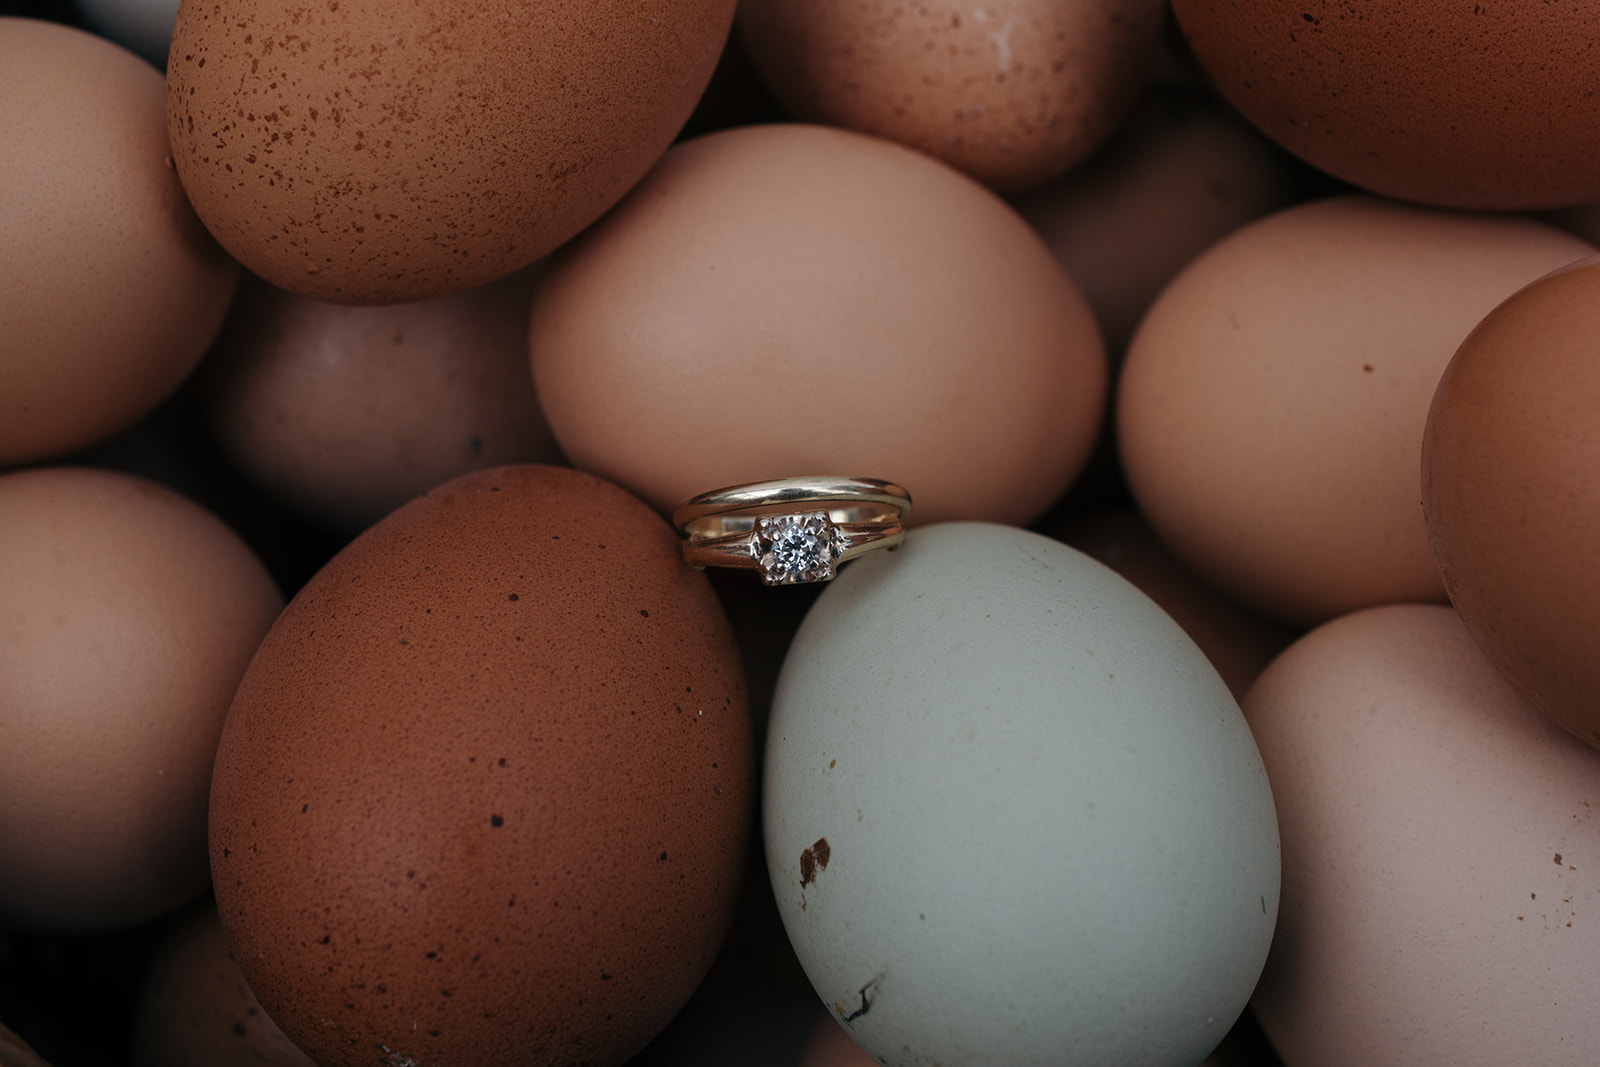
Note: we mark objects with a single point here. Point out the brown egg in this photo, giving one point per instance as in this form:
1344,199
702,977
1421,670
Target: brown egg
483,794
1271,409
1441,855
1178,176
110,289
785,300
1013,92
129,616
1509,492
1478,105
1238,643
195,1009
365,153
345,413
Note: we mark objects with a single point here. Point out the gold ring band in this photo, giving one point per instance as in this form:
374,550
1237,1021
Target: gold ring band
792,530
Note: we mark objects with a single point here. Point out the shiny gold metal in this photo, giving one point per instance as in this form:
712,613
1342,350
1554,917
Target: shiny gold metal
792,530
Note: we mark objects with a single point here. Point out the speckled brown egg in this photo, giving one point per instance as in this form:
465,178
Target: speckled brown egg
1510,496
1469,105
1013,92
365,152
483,795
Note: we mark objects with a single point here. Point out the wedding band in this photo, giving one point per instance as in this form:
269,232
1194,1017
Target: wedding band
792,530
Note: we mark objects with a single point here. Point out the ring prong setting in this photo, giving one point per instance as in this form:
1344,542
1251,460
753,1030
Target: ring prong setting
793,549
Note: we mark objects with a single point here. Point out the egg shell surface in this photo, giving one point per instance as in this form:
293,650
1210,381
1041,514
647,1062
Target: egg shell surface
1481,106
369,151
345,413
1014,92
1271,410
483,794
791,299
1440,847
110,289
128,615
1510,494
1013,816
1178,175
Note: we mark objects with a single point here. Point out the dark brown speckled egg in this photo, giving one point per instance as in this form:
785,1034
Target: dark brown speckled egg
372,152
483,795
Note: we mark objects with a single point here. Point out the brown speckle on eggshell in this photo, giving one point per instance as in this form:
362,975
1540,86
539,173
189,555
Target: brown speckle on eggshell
482,654
363,151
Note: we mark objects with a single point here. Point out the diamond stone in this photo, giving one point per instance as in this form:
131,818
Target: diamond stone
797,548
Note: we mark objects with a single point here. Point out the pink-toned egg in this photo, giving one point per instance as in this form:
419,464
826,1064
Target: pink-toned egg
1441,855
345,413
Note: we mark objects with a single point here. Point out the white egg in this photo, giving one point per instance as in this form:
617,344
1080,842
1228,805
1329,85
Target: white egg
1013,816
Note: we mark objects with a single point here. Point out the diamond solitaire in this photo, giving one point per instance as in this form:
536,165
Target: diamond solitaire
796,548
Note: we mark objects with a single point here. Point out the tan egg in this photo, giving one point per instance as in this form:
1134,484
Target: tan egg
484,794
346,413
110,289
1271,409
369,153
195,1009
1014,92
127,619
1441,855
1238,643
791,300
1178,176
